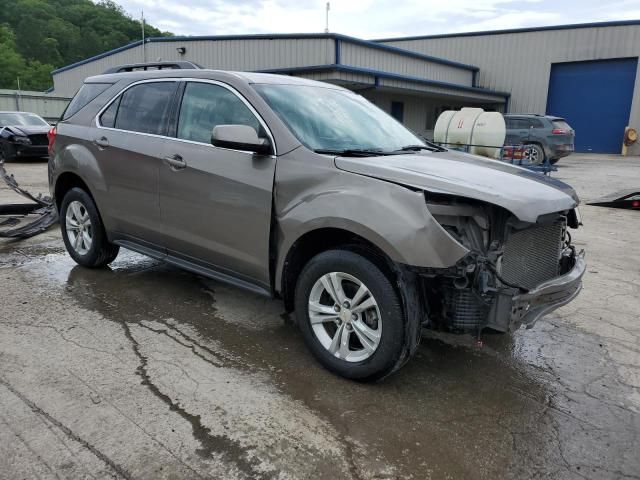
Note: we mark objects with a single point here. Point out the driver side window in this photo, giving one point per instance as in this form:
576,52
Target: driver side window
204,106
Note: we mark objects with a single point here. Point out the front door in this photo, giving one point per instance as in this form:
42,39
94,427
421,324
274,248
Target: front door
215,202
517,131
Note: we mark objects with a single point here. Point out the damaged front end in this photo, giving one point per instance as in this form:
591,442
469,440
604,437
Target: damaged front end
515,272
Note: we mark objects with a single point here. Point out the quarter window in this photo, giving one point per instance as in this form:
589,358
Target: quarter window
108,117
143,108
204,106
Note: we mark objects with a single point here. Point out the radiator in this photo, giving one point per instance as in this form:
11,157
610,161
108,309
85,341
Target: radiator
532,256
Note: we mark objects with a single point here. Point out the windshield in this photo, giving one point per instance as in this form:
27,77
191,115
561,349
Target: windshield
328,119
21,119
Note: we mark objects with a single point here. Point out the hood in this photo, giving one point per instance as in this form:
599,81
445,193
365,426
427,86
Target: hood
26,131
524,193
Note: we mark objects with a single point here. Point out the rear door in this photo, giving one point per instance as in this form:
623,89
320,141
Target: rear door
216,206
538,132
129,145
517,131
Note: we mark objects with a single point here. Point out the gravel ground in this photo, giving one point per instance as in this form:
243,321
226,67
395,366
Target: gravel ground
145,371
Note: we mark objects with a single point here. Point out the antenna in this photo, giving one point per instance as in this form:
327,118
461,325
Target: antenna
144,47
326,28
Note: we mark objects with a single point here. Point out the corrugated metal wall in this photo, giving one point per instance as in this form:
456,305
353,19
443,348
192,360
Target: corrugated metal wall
243,54
521,62
357,55
47,106
267,54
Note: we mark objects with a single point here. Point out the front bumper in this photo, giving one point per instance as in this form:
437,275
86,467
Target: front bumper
22,150
528,307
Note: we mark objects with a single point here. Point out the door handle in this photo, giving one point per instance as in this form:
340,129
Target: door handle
101,142
175,162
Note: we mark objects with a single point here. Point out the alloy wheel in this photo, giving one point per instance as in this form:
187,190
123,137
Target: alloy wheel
345,316
533,155
78,227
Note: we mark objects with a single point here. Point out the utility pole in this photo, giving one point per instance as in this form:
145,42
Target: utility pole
326,28
144,45
18,95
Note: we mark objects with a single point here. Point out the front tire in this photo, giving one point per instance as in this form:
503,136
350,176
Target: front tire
7,153
351,316
82,231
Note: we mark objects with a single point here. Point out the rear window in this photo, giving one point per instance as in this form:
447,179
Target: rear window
561,124
87,92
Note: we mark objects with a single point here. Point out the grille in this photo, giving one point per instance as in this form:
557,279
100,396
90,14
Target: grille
532,256
39,139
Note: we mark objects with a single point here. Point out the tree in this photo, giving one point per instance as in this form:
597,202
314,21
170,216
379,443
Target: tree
37,36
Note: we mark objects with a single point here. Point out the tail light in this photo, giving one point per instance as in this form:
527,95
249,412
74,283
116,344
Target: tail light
560,131
51,136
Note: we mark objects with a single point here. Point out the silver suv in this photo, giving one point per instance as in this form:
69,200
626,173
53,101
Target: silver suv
307,192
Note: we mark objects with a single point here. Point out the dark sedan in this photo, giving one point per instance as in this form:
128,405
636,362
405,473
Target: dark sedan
23,135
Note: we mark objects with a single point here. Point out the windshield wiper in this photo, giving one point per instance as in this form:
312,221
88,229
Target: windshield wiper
352,152
430,146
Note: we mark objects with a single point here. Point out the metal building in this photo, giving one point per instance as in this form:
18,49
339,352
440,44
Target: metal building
409,85
587,73
49,107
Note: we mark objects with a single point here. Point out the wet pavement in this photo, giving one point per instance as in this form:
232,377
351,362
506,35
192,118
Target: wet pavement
145,371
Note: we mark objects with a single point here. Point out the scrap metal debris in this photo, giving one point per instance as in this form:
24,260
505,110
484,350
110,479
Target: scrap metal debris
21,227
627,199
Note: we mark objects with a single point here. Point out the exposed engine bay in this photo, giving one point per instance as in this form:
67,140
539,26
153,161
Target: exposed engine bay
508,260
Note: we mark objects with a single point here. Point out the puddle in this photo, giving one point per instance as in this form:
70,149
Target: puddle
543,402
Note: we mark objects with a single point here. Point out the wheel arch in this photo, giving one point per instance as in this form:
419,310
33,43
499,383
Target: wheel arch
318,240
545,148
65,182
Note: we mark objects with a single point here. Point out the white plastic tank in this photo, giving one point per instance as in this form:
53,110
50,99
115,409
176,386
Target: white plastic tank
482,133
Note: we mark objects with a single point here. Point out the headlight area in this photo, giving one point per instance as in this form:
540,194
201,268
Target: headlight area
506,258
20,140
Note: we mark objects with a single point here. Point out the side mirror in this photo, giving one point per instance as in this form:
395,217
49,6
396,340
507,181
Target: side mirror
240,137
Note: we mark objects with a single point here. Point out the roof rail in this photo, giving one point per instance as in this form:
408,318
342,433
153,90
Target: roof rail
178,65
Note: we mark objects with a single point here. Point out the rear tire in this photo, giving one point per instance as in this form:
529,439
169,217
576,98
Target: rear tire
359,327
82,231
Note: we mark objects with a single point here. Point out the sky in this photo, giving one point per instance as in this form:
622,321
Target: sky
371,19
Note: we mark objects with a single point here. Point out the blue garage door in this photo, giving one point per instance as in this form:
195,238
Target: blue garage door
595,98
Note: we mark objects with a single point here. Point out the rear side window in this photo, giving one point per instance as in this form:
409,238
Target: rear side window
204,106
87,92
143,108
535,123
